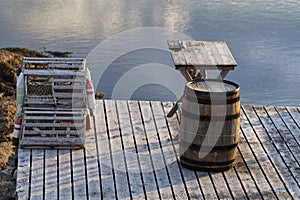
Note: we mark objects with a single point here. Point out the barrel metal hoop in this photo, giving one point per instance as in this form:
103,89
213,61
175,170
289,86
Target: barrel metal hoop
208,118
206,169
208,101
203,163
195,147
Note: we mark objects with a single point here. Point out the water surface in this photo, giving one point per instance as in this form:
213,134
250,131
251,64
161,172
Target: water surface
262,35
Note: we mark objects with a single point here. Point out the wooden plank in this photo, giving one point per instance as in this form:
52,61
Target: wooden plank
42,72
192,59
289,122
51,142
77,66
286,136
179,176
202,58
207,186
65,118
53,59
278,142
54,111
108,188
119,164
37,175
78,173
178,58
69,95
189,44
30,100
221,186
295,115
148,171
92,166
65,175
205,49
41,61
69,80
255,157
137,188
60,103
68,87
274,176
73,125
167,174
52,132
243,167
213,52
23,170
225,53
51,181
243,173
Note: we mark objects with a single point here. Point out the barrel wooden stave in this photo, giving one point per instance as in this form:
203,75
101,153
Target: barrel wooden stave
198,114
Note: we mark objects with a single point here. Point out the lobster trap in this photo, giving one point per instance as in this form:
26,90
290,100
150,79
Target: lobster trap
55,103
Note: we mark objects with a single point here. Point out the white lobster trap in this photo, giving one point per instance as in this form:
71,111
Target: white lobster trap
55,103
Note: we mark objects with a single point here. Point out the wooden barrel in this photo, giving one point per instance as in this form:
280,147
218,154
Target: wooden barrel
209,126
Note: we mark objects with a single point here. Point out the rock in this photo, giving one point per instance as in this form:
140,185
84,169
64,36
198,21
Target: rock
15,141
100,95
8,64
7,174
6,150
7,189
15,175
10,59
13,161
7,115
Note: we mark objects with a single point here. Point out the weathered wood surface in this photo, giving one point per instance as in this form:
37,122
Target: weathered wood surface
69,61
50,128
43,72
201,54
132,153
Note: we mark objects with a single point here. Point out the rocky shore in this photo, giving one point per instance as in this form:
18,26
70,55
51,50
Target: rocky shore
10,59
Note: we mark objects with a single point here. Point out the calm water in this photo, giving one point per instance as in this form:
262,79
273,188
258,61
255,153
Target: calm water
264,37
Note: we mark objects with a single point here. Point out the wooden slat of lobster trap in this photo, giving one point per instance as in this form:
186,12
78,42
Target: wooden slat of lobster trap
53,129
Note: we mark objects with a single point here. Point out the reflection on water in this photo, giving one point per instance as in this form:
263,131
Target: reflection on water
262,35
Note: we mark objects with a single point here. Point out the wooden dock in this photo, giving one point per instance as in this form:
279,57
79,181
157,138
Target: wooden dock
131,153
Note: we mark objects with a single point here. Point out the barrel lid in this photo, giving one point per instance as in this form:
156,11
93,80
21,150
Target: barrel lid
212,85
